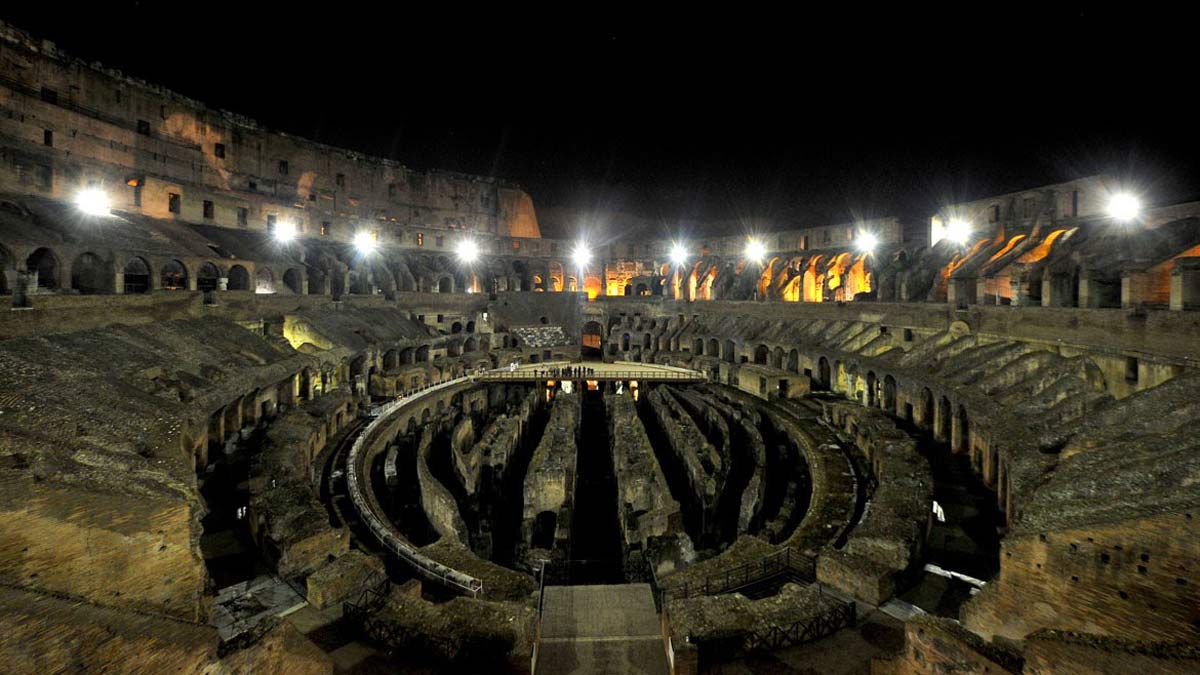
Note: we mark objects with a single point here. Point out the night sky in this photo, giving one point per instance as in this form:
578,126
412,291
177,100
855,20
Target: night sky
804,118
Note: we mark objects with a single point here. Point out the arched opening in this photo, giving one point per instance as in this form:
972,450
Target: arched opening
239,279
6,263
628,290
714,348
391,359
642,289
793,361
422,354
889,394
698,346
136,276
760,355
961,431
647,341
291,280
730,352
174,276
777,358
445,285
470,326
317,278
45,263
925,411
456,327
593,340
824,378
625,342
544,525
264,280
871,381
942,420
89,275
406,356
469,344
207,277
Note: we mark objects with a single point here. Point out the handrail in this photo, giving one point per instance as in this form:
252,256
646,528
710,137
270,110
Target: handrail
745,574
649,374
384,531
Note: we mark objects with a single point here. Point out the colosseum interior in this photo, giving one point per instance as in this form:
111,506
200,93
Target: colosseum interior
274,406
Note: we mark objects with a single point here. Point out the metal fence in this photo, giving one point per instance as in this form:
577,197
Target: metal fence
552,374
785,561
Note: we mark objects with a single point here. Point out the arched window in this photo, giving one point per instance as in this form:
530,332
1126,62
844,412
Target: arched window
137,276
207,277
239,279
89,274
174,276
45,263
291,279
264,280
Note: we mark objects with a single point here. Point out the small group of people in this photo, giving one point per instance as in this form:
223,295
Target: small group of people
568,372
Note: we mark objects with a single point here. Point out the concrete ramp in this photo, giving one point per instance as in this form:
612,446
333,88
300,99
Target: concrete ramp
600,629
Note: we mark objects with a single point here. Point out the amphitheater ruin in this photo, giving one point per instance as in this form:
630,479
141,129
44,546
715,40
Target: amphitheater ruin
274,406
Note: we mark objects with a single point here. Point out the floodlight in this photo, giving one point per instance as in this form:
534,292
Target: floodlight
93,201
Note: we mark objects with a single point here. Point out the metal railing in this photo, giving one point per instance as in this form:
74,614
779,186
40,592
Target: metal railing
552,374
383,530
781,562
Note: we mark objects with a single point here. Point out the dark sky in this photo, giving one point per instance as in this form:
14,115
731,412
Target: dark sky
807,117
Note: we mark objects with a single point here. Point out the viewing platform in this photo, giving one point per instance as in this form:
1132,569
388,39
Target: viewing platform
620,371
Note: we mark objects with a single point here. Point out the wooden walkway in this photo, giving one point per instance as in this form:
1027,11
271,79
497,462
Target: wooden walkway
600,629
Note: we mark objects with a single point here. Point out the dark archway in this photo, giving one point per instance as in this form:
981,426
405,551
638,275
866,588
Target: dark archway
824,376
942,420
593,340
760,355
174,276
136,276
45,263
445,285
456,328
89,275
962,441
889,394
292,281
793,361
239,279
207,277
871,383
730,351
625,342
925,412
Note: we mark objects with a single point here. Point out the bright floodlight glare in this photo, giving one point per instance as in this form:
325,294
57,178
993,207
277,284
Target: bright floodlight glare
678,254
93,202
867,242
958,231
285,232
581,255
755,250
1124,207
468,250
364,242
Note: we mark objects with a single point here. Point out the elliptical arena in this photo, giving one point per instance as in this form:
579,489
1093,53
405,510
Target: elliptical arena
274,406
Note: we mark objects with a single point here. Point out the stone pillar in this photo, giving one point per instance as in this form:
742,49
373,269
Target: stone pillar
1087,291
119,283
1047,288
1135,287
223,283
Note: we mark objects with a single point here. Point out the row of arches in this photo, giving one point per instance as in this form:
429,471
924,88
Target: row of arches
91,274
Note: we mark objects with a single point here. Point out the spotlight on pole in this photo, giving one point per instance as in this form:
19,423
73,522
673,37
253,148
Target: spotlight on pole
958,231
866,242
679,254
93,201
285,232
582,255
755,251
468,251
1124,207
364,242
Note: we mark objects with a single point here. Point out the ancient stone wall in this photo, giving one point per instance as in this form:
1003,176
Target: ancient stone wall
645,507
550,479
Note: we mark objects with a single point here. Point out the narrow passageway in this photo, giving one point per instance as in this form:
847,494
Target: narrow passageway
595,534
